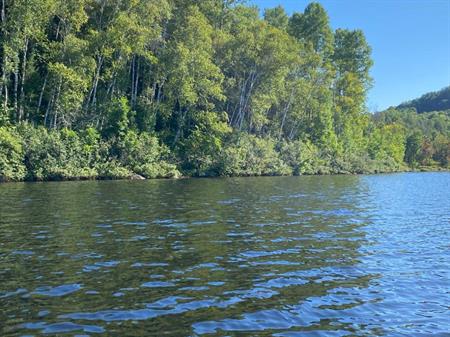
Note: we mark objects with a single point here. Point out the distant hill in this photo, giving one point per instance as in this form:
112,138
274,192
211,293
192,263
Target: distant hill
432,101
428,114
425,122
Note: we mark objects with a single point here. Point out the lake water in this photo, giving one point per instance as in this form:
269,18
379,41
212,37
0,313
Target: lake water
282,256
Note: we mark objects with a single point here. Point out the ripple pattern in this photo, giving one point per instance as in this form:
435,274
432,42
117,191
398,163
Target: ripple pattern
288,256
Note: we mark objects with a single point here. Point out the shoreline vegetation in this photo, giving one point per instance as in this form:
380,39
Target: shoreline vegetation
38,154
137,177
175,88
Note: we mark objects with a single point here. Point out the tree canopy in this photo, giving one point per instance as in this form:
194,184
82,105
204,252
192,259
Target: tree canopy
432,101
108,88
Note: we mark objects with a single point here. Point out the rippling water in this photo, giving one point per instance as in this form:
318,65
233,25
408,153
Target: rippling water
288,256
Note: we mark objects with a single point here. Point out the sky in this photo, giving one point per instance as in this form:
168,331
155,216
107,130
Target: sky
410,42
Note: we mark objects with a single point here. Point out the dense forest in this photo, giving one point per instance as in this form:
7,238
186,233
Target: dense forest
164,88
426,121
432,101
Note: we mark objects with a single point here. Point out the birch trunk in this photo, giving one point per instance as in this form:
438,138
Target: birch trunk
15,88
93,91
4,87
41,95
23,77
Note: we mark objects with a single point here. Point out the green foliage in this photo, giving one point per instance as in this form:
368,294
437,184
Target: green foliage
53,155
351,61
313,27
118,117
11,156
111,89
413,146
277,17
432,101
428,135
430,124
143,154
387,142
113,170
442,150
66,154
248,155
201,148
303,157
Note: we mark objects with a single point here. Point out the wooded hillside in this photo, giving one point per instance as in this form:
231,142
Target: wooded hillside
108,88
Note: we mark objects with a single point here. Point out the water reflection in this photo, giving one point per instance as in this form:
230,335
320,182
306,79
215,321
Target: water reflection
273,256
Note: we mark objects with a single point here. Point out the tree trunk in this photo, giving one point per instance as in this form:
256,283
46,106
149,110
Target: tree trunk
47,111
111,85
285,111
97,77
133,74
57,30
41,95
22,82
93,91
254,77
5,90
136,83
16,87
2,13
180,124
158,96
4,86
55,120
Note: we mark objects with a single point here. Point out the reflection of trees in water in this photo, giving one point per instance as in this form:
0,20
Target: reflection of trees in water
249,233
314,234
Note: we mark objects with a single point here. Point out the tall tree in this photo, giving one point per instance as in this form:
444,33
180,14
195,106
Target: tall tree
277,17
352,61
192,81
312,30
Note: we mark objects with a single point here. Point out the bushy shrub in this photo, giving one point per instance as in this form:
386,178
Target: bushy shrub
11,156
37,153
360,163
387,141
112,170
143,154
442,150
248,155
59,155
303,157
119,114
158,170
200,151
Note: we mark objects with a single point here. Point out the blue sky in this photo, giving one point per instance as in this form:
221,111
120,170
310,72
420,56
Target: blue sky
410,42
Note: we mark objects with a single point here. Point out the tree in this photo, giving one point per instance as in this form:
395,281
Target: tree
352,62
105,88
276,17
442,150
413,147
192,81
314,77
11,156
256,59
313,28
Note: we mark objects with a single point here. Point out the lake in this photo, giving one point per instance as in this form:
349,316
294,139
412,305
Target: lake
269,256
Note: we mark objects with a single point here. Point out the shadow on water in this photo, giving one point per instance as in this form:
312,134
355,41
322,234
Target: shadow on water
281,256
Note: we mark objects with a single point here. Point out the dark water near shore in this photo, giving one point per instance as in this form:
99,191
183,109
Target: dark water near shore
288,256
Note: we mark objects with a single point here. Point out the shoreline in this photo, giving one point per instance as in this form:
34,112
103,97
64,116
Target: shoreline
137,177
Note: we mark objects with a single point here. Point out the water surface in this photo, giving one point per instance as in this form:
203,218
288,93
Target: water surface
283,256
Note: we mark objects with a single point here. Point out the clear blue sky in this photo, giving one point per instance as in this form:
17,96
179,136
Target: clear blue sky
410,42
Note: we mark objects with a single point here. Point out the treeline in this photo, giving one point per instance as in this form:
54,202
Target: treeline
109,88
432,101
427,135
